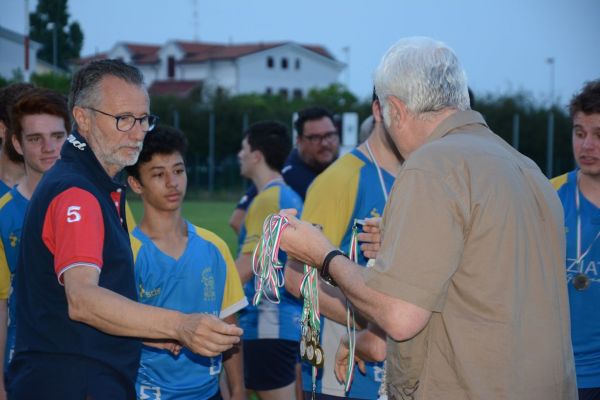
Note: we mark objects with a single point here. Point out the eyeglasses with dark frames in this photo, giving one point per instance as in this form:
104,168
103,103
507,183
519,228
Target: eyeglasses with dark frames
318,139
125,123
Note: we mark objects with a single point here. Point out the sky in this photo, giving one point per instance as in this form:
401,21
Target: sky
503,45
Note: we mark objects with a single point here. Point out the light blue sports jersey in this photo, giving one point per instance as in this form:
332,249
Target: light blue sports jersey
12,214
269,320
349,189
584,304
203,280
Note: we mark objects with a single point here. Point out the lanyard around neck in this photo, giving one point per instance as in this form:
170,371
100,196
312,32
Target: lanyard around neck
579,257
379,173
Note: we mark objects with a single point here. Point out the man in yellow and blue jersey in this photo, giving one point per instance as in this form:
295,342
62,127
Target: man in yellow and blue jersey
353,188
39,128
579,192
181,267
271,331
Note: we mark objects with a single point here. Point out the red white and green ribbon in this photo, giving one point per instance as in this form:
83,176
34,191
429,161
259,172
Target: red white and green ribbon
267,268
350,323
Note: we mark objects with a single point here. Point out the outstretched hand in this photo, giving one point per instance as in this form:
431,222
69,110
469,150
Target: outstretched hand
303,241
207,335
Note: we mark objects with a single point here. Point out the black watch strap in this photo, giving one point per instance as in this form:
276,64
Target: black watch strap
325,267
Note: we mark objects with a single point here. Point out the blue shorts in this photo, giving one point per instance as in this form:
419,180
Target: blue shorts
269,363
65,377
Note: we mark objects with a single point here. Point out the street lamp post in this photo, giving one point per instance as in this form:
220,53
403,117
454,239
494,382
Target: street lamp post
550,133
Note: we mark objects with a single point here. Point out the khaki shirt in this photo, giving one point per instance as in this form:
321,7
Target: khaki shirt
473,232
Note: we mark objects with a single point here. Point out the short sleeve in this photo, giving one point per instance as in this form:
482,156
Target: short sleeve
73,230
422,241
234,298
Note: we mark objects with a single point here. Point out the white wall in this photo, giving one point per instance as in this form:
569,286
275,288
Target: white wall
315,71
13,57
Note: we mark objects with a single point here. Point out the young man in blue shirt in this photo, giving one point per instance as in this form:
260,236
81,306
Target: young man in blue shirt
40,121
579,192
181,267
271,331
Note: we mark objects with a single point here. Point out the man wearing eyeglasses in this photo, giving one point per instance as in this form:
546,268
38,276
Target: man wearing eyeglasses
78,318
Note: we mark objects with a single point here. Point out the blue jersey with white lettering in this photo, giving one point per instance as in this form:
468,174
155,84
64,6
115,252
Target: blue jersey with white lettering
584,304
269,320
349,189
12,214
203,280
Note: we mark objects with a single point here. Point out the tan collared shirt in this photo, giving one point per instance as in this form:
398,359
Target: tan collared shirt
473,232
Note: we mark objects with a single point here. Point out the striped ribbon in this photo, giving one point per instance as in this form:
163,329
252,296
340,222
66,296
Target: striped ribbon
267,268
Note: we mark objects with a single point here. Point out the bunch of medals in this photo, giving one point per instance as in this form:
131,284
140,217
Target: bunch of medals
310,347
267,269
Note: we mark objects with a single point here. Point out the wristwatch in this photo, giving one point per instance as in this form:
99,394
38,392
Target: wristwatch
325,267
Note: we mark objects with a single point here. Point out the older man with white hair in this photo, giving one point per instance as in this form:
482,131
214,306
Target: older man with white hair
469,283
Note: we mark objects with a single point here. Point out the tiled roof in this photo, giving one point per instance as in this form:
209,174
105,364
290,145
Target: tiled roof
143,53
173,88
199,51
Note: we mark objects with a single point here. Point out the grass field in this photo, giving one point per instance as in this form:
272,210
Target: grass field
211,215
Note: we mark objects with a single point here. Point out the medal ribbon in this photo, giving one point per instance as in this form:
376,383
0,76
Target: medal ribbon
269,278
580,256
267,269
350,323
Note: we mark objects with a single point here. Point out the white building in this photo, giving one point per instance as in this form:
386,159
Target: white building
12,54
288,69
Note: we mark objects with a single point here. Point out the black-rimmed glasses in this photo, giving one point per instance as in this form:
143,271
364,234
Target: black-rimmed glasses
318,139
126,122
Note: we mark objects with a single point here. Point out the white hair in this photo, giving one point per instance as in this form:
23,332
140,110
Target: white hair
424,74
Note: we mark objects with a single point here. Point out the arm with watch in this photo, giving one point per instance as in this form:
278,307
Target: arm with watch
304,242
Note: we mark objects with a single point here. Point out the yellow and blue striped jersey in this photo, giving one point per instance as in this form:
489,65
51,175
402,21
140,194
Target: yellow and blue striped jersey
349,189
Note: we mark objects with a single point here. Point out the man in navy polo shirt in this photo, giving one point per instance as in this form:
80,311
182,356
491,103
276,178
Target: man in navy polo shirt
77,316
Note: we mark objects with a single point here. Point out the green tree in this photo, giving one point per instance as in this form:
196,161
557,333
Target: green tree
59,82
50,21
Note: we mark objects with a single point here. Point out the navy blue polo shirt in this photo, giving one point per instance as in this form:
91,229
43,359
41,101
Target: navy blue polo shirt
76,216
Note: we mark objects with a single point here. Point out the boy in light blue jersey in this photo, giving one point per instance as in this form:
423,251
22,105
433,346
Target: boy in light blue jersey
40,120
181,267
271,331
355,187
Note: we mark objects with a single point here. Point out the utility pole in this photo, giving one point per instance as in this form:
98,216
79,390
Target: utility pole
550,133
